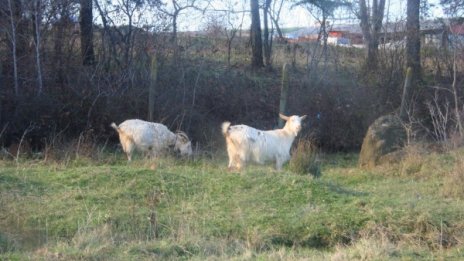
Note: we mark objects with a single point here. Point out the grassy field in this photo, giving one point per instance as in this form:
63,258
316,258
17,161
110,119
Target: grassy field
108,209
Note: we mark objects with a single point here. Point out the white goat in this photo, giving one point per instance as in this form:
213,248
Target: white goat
150,137
245,143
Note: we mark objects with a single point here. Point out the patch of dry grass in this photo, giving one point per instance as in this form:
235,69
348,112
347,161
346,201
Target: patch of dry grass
305,159
453,184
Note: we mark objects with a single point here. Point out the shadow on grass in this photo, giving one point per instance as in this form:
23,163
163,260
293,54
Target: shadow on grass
317,241
171,251
341,160
22,185
13,234
332,187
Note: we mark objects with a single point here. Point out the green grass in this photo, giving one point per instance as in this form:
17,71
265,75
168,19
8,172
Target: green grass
114,210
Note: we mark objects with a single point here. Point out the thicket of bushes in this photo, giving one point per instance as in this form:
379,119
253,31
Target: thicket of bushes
196,91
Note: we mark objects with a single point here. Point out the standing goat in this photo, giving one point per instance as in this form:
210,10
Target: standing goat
150,137
245,143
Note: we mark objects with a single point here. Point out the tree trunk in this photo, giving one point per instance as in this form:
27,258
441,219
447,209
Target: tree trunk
112,41
230,38
372,54
86,23
152,87
279,31
14,47
36,19
267,40
457,114
58,48
174,29
256,43
283,95
128,43
229,49
22,30
174,36
325,36
275,15
404,107
371,24
413,44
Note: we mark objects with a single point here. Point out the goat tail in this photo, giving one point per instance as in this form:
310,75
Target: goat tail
114,126
122,135
225,128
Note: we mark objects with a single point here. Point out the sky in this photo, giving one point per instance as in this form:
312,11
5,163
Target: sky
298,16
291,16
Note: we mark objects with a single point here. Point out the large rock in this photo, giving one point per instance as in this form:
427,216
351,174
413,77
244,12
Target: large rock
383,138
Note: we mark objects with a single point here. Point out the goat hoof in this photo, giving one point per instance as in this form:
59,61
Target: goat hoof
153,166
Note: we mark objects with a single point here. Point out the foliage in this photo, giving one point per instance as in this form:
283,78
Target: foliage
326,6
453,7
197,89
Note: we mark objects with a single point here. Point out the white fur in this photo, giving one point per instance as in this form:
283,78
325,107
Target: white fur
150,137
245,143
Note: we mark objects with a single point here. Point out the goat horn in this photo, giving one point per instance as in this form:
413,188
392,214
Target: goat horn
283,117
183,135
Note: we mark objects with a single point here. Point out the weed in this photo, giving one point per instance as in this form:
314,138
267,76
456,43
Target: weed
453,185
305,159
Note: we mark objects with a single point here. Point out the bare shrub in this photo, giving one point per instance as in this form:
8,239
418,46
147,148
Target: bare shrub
440,116
445,118
86,146
305,159
455,140
413,159
17,149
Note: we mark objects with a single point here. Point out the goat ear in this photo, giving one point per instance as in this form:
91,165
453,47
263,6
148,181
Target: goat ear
303,117
283,117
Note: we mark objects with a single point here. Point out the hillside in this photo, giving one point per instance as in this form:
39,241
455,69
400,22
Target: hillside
108,209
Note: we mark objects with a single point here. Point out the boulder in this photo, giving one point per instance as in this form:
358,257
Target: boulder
385,136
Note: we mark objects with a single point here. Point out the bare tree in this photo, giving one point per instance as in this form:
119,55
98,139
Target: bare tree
274,15
256,43
230,36
118,39
321,10
107,33
457,114
13,37
267,44
37,17
453,7
86,23
231,31
413,45
177,6
61,12
371,25
128,8
227,23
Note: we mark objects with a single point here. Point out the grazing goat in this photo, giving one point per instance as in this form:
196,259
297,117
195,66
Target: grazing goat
150,137
245,143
